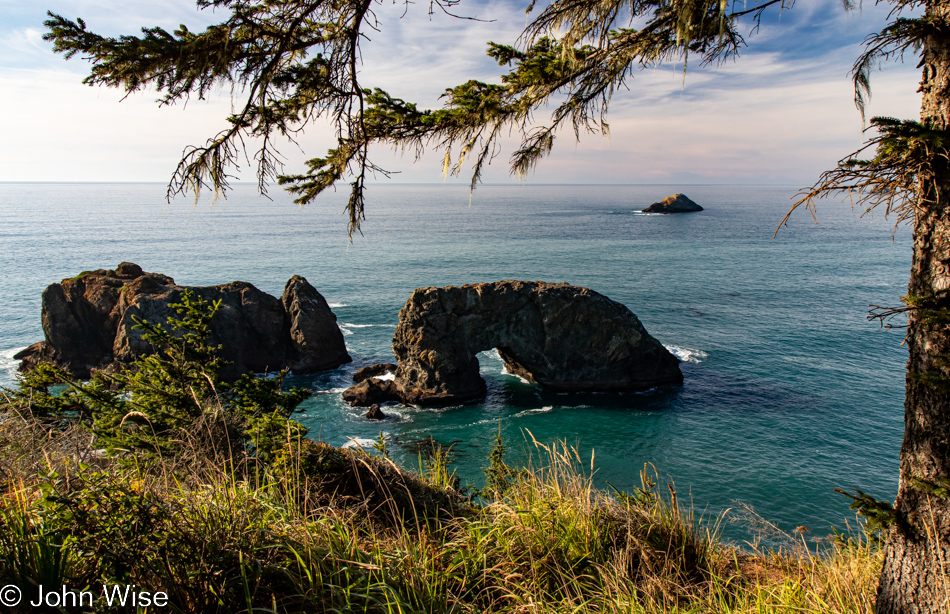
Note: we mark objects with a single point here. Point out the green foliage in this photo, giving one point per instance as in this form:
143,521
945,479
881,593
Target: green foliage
880,515
152,406
36,396
219,549
436,468
380,445
31,551
498,475
148,405
266,408
938,486
898,178
892,42
551,543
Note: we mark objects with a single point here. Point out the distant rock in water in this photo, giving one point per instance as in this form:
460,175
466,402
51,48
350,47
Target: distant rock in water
678,203
87,322
563,337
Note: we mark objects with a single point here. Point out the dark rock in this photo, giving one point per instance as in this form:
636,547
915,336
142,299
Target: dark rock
678,203
128,269
374,371
87,322
249,324
372,391
375,413
32,350
316,337
566,338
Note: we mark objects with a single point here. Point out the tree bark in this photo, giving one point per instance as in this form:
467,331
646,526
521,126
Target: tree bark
915,578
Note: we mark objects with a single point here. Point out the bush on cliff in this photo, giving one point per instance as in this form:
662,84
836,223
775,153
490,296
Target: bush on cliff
159,400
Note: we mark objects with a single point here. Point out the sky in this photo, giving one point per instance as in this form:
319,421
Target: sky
779,115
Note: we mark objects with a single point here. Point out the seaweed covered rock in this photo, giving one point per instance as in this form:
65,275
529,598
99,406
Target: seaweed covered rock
88,322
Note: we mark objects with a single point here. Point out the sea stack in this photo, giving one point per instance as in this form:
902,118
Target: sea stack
678,203
88,323
563,337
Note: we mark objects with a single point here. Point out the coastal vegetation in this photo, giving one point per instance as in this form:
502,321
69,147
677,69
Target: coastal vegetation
205,497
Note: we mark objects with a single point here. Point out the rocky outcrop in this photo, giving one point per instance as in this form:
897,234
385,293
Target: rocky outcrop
314,334
88,323
372,391
678,203
374,371
375,413
566,338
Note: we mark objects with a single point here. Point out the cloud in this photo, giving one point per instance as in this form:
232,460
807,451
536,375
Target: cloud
781,113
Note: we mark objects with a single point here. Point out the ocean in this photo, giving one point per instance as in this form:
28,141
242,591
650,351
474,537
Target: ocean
789,391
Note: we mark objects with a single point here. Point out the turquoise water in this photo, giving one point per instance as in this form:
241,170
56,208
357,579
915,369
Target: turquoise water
789,392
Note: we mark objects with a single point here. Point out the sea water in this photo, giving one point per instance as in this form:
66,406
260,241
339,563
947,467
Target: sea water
789,391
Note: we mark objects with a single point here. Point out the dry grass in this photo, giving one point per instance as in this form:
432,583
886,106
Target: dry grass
324,529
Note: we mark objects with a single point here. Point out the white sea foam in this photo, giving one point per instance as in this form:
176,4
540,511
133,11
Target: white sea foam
504,369
455,427
359,442
348,325
539,410
8,366
345,330
335,305
399,416
524,380
687,354
388,376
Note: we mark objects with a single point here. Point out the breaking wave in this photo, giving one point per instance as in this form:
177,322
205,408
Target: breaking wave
687,354
8,366
539,410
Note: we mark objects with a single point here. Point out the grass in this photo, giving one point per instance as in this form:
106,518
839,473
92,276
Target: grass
322,529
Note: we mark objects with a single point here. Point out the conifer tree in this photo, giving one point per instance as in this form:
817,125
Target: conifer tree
296,61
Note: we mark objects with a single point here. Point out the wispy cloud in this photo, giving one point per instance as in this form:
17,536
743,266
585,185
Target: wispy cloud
781,113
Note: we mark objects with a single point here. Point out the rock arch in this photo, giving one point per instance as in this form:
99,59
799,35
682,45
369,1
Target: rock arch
564,337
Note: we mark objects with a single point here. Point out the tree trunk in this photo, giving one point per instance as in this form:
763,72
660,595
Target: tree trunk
915,578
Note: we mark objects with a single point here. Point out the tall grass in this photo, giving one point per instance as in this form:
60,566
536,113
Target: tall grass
321,529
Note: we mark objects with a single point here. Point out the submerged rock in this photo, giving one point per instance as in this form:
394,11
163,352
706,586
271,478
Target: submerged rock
375,413
88,323
566,338
678,203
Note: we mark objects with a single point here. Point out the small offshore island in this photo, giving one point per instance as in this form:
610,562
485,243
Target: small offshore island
678,203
